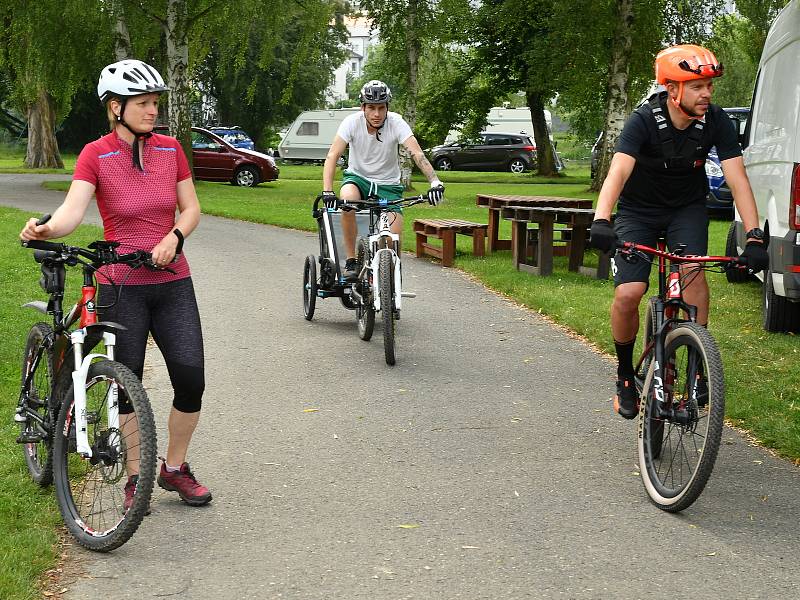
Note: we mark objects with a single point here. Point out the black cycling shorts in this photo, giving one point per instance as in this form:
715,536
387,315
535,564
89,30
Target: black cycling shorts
685,225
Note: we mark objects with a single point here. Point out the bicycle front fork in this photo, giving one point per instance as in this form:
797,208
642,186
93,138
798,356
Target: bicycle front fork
79,376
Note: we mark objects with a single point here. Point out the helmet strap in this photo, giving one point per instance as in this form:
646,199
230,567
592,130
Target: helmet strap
677,103
137,163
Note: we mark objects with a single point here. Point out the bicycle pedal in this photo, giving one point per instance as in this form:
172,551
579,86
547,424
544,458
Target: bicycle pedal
408,294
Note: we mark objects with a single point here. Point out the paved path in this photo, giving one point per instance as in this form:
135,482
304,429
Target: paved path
485,464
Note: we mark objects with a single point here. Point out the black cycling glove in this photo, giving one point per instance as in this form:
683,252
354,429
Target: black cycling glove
436,194
330,200
757,256
602,236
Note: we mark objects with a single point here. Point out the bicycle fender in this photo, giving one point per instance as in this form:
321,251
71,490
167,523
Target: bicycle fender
37,305
105,326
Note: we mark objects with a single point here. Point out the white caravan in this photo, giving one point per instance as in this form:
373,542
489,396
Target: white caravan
503,120
311,135
772,159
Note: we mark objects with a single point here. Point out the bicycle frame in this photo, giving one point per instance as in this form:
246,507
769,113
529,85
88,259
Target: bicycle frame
667,307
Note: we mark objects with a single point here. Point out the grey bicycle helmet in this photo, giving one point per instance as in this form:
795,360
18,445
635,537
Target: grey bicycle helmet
129,78
375,92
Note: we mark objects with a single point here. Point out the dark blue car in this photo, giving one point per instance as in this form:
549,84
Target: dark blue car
235,136
720,198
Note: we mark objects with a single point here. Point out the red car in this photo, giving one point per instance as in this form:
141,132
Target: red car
216,160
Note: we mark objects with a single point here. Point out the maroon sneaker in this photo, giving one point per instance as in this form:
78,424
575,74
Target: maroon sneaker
185,484
130,492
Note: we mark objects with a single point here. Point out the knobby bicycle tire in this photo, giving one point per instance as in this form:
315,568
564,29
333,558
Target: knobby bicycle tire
677,455
365,310
91,496
386,279
39,398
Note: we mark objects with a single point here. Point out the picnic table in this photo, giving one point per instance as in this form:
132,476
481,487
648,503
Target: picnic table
533,249
495,203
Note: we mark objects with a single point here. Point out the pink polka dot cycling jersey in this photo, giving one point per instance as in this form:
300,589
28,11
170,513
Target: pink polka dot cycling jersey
137,207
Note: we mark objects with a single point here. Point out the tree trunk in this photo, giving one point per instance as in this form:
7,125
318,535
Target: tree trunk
617,102
176,30
544,148
42,145
413,49
122,38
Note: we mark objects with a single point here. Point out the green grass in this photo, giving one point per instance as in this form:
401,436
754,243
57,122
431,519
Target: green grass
28,514
12,161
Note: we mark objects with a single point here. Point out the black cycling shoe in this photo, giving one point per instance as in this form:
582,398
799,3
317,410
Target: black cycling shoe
351,269
626,402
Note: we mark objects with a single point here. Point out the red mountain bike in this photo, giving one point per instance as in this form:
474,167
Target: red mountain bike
680,380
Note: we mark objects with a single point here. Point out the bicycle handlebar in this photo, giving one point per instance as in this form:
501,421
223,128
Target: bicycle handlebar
374,202
726,262
105,254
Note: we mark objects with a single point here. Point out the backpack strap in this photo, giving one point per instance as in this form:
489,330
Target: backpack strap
693,140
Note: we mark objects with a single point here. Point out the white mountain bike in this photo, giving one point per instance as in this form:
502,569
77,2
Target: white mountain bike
85,420
379,288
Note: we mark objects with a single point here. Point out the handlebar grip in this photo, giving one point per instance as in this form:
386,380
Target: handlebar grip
44,219
43,245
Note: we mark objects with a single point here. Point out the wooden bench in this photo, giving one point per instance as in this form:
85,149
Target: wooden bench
446,230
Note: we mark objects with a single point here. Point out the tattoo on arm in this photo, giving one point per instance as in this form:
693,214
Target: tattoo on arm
424,165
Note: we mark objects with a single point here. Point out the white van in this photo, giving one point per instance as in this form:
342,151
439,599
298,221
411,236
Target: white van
772,159
311,135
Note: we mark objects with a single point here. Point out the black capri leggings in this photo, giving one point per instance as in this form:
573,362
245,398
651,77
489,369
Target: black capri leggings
169,312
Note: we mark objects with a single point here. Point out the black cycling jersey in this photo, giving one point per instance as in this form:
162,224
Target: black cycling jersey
652,184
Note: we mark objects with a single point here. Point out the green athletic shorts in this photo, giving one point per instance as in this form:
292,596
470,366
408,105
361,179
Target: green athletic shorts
384,191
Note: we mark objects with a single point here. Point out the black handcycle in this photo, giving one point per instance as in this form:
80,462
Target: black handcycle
72,430
680,380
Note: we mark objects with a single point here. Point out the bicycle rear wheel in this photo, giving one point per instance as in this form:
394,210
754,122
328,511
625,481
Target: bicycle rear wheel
677,451
38,404
386,280
90,492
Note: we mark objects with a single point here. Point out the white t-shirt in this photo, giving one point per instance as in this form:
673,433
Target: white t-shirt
369,158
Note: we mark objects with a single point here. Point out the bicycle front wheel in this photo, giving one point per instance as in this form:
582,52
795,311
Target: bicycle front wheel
679,438
386,280
38,405
91,491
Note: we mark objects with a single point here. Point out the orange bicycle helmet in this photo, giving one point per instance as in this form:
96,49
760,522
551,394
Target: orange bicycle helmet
686,62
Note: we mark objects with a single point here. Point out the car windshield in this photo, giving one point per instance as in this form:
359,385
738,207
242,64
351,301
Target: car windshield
233,136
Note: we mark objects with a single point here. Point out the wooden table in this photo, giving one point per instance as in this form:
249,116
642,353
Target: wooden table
496,203
533,249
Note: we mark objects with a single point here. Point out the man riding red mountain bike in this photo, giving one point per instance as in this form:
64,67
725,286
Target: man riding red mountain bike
658,175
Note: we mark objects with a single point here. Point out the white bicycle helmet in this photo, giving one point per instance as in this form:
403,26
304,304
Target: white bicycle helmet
129,78
375,92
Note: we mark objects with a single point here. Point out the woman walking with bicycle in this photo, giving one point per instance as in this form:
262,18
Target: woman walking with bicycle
658,175
139,179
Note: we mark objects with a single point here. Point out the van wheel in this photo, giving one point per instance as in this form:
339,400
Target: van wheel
780,315
443,164
517,166
245,176
734,275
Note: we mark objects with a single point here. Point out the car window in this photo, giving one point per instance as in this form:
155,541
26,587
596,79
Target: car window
515,140
498,141
308,128
200,141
